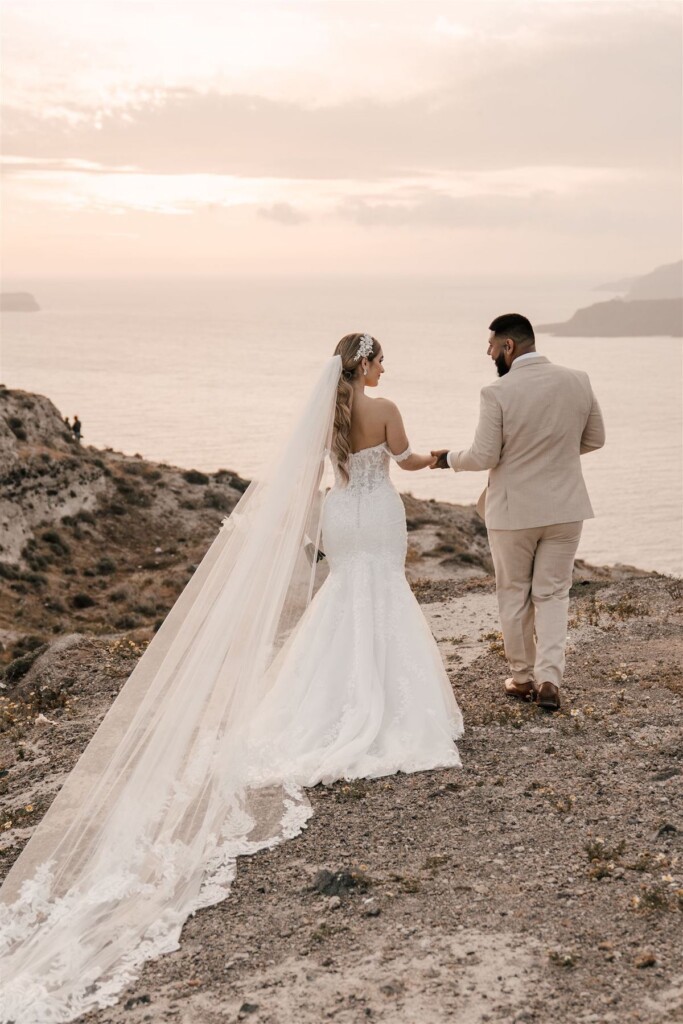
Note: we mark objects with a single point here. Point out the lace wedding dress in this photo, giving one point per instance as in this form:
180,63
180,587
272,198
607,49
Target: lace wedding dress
360,691
251,690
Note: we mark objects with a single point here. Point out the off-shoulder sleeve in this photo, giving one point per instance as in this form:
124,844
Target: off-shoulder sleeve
403,456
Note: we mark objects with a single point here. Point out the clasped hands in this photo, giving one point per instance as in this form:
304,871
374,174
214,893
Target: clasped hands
440,459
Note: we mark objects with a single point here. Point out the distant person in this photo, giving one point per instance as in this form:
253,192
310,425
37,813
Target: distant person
66,420
76,426
534,425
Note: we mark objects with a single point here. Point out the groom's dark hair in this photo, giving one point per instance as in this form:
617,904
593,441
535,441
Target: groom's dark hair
515,326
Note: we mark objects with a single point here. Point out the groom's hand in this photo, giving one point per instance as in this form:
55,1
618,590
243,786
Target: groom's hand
441,459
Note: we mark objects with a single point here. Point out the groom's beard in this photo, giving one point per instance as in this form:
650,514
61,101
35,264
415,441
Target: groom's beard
501,365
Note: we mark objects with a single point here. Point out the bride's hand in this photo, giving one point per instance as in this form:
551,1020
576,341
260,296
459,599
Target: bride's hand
440,457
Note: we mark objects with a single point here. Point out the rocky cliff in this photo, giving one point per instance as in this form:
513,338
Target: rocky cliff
94,539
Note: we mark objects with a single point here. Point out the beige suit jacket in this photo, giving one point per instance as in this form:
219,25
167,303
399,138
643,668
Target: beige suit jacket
534,424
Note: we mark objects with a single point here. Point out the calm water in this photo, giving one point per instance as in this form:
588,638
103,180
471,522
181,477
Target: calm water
208,374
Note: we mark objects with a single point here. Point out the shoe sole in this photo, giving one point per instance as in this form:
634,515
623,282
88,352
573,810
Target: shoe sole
519,696
548,705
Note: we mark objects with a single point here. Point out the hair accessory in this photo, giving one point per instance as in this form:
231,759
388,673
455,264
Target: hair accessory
365,346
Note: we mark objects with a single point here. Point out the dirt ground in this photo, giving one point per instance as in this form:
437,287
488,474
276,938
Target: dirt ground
541,882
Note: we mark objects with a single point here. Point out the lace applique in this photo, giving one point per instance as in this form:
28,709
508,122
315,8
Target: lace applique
403,456
367,469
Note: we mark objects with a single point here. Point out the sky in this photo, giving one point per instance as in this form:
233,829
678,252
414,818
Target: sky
341,137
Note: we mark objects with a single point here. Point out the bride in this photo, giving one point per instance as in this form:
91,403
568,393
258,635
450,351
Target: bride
260,682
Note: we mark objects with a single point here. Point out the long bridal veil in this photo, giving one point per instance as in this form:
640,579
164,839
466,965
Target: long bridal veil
146,828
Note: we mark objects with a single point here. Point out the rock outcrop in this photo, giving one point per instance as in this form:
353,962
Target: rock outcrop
649,306
665,282
647,318
18,302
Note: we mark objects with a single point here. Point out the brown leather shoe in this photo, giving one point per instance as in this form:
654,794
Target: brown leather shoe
523,691
548,696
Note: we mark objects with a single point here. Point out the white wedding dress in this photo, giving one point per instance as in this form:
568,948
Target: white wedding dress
251,690
360,690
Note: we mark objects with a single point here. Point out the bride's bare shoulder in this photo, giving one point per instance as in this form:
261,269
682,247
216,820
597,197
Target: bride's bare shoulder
388,408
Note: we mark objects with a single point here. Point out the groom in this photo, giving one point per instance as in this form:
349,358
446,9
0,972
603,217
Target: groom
534,424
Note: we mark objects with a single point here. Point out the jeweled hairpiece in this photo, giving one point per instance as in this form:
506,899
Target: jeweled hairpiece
365,346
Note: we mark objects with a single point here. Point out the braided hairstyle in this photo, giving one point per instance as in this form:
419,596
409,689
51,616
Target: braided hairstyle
351,367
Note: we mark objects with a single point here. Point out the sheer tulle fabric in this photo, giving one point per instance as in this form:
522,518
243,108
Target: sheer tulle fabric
148,824
229,713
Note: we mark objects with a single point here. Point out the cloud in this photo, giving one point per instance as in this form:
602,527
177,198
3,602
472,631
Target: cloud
608,97
622,208
283,213
22,165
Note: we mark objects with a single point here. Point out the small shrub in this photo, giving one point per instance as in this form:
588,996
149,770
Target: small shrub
29,642
17,427
35,561
145,608
123,485
20,666
127,622
195,476
132,494
106,566
37,579
56,542
81,600
217,499
656,897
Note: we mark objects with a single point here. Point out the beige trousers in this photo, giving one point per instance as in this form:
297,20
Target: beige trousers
533,576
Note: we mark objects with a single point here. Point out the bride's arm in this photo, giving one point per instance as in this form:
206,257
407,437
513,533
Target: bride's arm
397,441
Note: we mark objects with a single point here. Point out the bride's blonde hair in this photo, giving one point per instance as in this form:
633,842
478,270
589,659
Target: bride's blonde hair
347,348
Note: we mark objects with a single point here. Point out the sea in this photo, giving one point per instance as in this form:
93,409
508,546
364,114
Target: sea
209,373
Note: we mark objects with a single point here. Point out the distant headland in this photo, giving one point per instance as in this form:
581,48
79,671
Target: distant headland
18,302
651,306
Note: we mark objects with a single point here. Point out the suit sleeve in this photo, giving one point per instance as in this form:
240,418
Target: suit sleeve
486,449
593,436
